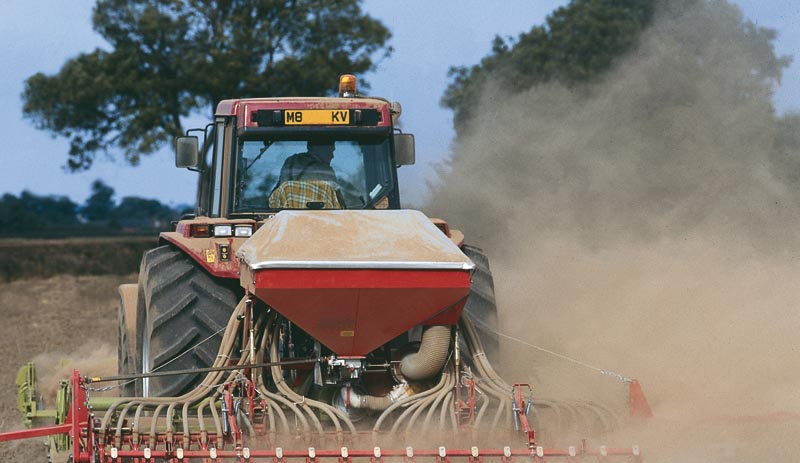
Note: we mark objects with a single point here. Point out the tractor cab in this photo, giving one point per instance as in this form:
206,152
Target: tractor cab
264,155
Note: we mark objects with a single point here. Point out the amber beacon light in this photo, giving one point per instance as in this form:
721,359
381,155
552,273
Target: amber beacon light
347,85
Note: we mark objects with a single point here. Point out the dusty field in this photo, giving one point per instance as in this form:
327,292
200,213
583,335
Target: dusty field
53,321
719,372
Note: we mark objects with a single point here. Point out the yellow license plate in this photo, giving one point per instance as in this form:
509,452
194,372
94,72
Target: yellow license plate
316,117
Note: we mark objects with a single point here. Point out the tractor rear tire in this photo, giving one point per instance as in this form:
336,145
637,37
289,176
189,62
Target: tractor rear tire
182,313
481,305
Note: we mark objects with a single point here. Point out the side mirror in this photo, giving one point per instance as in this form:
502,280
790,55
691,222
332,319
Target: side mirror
187,152
404,149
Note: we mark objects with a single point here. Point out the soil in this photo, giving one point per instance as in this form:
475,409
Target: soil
68,321
61,323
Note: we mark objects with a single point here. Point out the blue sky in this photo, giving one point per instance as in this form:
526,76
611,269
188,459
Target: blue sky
428,38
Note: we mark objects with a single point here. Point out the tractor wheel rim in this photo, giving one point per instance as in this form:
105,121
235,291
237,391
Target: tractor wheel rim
146,359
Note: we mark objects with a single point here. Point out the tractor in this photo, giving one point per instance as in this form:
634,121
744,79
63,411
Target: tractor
301,313
189,286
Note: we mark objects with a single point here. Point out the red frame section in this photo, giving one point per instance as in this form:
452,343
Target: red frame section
89,448
520,409
196,248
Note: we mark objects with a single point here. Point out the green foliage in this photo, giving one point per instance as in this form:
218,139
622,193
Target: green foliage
134,212
171,57
30,215
578,42
100,203
31,212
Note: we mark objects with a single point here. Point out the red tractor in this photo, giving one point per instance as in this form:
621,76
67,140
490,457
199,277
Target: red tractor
301,308
325,169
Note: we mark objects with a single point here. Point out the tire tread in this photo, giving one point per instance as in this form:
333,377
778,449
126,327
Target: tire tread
184,305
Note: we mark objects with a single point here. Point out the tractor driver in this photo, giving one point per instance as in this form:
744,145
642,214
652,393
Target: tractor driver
314,164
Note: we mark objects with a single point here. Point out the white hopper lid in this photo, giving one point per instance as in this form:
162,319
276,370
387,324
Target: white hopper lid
394,239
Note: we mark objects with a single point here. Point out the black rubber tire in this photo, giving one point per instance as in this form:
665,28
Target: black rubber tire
481,304
125,358
180,305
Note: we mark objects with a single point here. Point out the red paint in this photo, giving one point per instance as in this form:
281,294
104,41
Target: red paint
243,109
520,407
462,455
443,226
228,269
353,312
639,406
89,447
35,432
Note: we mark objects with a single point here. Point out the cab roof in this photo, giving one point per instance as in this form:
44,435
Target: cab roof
247,109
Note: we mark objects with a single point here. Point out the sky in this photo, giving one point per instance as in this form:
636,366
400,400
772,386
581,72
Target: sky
428,38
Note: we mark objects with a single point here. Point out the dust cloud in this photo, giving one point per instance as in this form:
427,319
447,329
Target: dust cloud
648,225
90,359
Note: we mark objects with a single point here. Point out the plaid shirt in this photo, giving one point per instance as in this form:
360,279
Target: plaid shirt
297,195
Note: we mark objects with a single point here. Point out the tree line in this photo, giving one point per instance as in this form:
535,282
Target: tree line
32,215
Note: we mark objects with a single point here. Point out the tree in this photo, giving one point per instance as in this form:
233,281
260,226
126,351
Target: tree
135,212
578,42
30,214
169,58
100,204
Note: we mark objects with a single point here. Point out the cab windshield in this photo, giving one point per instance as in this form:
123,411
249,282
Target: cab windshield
319,173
